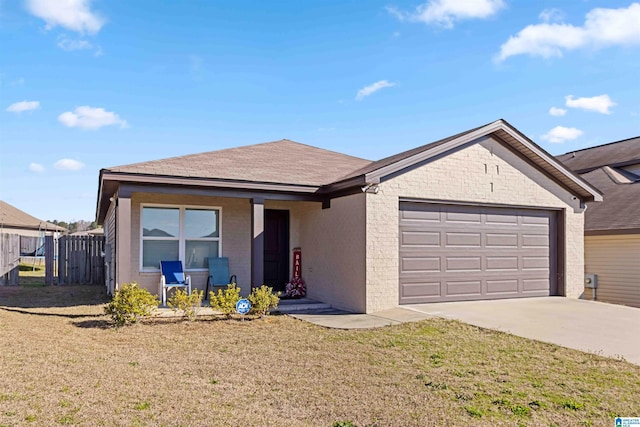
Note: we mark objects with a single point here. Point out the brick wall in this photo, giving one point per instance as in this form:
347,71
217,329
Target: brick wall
486,172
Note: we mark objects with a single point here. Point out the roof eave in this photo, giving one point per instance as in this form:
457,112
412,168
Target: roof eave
562,175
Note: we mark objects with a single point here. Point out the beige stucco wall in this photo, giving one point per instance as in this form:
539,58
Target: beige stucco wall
236,241
333,257
616,261
460,176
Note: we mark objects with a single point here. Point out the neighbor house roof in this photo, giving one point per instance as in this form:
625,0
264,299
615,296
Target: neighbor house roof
12,217
621,207
615,154
602,166
289,167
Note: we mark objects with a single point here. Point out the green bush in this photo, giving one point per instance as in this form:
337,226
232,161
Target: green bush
188,304
131,303
263,299
225,300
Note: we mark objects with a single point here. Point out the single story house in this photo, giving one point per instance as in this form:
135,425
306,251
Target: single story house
483,214
16,221
612,228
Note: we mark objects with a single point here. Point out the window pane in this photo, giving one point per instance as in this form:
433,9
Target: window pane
154,251
197,253
199,223
160,222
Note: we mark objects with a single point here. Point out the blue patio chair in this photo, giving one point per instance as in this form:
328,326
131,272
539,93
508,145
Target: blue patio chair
172,276
219,274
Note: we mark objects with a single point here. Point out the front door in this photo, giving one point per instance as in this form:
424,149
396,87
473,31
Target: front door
276,248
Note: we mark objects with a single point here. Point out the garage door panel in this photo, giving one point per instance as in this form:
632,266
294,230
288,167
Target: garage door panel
421,264
501,263
503,219
473,253
420,215
468,240
535,285
502,287
465,287
505,240
467,264
421,289
535,240
420,238
535,262
466,217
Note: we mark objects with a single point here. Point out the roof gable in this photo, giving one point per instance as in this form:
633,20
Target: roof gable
499,130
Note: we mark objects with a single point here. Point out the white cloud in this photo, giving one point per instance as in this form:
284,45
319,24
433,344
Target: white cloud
36,167
65,43
21,106
551,15
68,44
599,104
368,90
602,27
86,117
446,12
555,111
560,134
68,165
74,15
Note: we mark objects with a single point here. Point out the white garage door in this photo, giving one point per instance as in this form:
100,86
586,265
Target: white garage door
457,253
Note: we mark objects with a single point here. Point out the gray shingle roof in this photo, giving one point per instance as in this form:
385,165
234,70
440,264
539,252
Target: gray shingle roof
614,154
620,209
10,216
284,161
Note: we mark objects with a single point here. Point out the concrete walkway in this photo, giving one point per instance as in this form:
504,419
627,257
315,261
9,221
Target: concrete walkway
605,329
338,319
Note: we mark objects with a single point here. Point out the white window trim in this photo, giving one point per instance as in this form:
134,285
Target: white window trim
181,239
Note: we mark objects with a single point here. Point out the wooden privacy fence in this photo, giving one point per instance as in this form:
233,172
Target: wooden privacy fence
9,258
81,260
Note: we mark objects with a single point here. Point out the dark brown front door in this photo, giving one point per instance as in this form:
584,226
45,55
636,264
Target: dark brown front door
276,248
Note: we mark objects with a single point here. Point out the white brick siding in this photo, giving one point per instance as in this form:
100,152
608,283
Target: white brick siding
461,176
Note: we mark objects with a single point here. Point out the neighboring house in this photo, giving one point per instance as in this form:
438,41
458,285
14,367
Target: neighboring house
93,232
480,215
612,228
13,220
23,235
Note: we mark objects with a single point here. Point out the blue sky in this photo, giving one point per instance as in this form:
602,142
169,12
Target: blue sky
91,84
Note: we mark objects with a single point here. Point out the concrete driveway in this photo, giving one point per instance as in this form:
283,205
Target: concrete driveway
605,329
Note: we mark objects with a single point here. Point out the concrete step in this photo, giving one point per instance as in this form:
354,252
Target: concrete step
302,304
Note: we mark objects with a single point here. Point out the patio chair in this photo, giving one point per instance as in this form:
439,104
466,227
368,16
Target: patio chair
219,274
172,276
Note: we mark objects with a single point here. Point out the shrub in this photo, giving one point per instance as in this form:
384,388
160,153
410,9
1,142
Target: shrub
131,303
225,300
188,304
263,299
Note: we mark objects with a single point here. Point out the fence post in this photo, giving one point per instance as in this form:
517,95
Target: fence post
48,260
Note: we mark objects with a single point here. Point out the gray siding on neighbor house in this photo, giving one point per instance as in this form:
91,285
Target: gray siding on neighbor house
616,261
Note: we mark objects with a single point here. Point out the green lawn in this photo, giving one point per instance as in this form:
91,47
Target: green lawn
62,364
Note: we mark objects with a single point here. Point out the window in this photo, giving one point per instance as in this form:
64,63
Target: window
178,233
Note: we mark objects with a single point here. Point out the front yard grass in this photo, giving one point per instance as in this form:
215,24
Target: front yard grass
62,364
